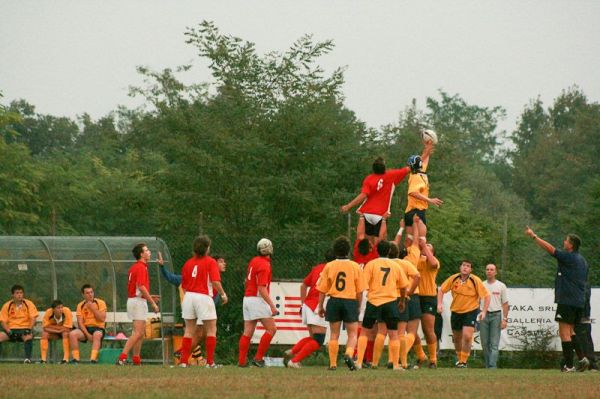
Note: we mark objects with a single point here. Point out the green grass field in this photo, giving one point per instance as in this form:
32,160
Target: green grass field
104,381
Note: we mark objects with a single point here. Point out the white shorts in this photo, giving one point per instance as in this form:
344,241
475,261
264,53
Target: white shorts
372,219
137,308
363,306
256,308
198,306
310,317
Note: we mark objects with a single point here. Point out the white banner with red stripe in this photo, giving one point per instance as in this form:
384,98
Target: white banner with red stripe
531,312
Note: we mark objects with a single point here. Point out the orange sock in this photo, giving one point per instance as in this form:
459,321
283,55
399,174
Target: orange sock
378,348
75,354
94,354
333,349
465,356
419,351
432,348
361,347
394,347
403,358
43,349
65,343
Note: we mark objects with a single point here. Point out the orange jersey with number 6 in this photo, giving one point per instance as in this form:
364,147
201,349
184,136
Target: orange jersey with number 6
341,278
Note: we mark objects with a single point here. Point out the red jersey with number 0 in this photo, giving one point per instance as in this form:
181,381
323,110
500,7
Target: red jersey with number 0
379,190
362,260
259,273
138,276
312,298
198,273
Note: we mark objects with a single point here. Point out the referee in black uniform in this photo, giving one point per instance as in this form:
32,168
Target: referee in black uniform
569,290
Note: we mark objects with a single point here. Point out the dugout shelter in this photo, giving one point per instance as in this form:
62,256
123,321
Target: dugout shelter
50,267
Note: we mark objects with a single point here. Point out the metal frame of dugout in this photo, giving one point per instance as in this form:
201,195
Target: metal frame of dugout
52,267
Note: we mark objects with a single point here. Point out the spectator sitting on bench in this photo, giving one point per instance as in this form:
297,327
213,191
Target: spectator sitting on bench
18,317
91,316
57,324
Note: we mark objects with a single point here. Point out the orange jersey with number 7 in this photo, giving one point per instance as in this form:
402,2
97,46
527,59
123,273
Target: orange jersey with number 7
384,278
341,278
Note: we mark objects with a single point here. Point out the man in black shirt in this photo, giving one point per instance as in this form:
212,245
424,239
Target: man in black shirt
569,290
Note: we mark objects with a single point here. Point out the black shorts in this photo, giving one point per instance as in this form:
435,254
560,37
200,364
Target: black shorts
460,320
387,313
568,314
17,334
428,304
412,310
92,330
372,229
340,309
408,217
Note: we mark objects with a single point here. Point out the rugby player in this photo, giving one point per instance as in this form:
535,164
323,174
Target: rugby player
91,320
57,324
18,317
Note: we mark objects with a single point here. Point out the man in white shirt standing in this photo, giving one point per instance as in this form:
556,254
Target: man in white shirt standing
497,317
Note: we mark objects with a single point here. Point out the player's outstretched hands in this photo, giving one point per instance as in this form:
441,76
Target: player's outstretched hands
529,232
436,201
344,208
160,259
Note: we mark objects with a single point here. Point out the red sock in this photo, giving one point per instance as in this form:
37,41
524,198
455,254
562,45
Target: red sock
307,349
263,346
244,347
300,344
356,347
186,346
123,356
210,345
137,360
369,351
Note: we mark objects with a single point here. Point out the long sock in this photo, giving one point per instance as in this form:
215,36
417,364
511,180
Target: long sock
210,345
465,356
333,349
403,356
378,348
243,351
361,347
419,351
298,347
369,351
94,354
28,347
186,347
349,351
75,354
394,347
123,356
263,346
432,349
43,349
355,354
65,343
137,360
577,345
409,339
567,348
308,348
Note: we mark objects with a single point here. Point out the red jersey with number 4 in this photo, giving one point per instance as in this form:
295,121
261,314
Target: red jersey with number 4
138,276
362,260
198,273
259,273
379,190
312,298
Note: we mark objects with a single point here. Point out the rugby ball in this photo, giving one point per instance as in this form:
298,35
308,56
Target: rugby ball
429,135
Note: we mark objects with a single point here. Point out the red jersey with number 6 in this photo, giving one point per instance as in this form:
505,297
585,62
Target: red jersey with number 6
312,298
138,276
259,273
198,273
379,190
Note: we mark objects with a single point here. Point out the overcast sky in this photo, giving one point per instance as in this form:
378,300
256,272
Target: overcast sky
71,57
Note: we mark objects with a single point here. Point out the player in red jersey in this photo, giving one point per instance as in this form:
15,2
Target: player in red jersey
138,296
317,326
199,275
258,306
